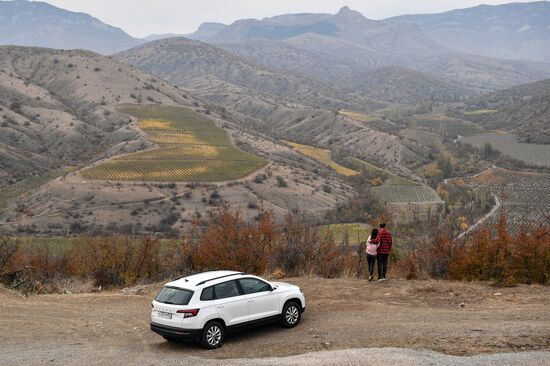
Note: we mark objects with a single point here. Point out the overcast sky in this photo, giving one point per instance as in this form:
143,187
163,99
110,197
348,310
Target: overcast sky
143,17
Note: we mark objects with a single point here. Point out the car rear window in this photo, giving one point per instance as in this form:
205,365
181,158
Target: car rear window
174,296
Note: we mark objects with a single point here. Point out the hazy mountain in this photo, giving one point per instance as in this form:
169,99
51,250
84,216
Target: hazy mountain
524,110
511,31
207,30
156,37
212,72
348,40
57,108
28,23
390,84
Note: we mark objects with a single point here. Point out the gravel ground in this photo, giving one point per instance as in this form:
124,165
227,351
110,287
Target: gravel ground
347,322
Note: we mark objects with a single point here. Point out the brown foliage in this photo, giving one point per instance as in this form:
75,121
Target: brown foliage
293,247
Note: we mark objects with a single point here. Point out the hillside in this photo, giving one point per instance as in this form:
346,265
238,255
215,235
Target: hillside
517,31
191,63
33,23
389,84
523,110
355,42
61,111
57,108
280,104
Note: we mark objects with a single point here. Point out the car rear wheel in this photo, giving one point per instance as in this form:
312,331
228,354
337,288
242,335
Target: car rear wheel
212,335
291,315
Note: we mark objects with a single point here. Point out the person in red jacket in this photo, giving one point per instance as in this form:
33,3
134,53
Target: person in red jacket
384,241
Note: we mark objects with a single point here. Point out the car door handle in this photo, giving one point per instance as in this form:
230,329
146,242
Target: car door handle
220,306
251,300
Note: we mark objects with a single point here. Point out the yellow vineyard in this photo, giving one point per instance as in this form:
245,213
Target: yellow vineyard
191,148
322,156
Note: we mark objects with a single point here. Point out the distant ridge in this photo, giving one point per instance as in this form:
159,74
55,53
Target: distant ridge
33,23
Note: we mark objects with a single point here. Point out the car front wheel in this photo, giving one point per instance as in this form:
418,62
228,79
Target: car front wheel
291,315
212,335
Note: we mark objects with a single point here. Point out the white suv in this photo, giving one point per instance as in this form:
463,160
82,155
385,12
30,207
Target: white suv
208,305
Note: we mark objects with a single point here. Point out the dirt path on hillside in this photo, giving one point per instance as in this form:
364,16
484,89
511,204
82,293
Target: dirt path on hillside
112,328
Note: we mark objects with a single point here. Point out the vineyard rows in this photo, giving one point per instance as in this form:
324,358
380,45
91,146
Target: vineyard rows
191,148
446,126
406,194
525,197
323,157
27,185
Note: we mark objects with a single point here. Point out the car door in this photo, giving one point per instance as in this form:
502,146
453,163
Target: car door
262,301
230,303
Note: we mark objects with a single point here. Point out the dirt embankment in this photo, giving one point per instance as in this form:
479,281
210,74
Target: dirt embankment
456,319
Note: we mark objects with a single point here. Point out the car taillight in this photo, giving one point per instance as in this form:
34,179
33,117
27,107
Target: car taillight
188,313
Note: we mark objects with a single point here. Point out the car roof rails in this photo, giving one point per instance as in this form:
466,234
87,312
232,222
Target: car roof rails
217,278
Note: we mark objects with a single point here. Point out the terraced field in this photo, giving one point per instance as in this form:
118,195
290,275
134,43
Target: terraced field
323,157
524,197
507,144
191,148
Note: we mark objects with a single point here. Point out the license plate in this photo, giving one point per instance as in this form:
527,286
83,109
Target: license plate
162,314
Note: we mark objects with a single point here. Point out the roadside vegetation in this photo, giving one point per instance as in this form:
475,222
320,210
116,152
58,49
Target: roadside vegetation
293,246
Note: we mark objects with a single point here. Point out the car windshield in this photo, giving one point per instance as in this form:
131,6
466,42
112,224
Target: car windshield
174,296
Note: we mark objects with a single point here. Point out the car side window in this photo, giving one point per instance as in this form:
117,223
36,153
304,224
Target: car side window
207,294
253,285
226,289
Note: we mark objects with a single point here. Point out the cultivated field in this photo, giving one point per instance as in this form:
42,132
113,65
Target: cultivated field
190,148
27,185
361,117
524,197
507,144
447,126
426,138
478,112
322,156
347,233
406,194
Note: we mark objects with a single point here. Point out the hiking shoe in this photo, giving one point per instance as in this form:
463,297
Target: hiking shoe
380,279
371,279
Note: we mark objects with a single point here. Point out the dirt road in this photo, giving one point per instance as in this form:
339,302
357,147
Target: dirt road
417,317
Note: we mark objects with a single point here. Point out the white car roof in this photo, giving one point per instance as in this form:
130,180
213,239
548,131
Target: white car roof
195,280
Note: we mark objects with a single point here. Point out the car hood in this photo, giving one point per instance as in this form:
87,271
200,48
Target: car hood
285,286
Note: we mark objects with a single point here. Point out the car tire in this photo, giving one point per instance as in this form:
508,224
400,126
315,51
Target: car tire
292,313
213,335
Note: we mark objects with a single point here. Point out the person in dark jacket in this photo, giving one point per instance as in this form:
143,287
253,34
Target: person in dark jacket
384,241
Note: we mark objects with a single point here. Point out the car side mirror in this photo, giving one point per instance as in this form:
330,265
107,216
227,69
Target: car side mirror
274,287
